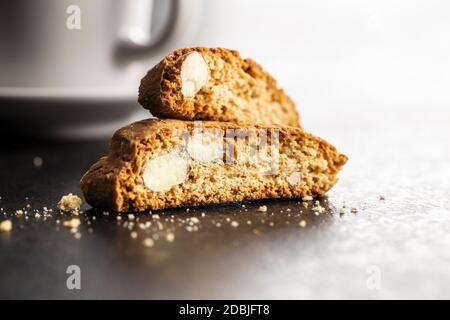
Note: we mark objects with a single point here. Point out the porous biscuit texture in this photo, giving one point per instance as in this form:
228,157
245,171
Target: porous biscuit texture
236,90
258,162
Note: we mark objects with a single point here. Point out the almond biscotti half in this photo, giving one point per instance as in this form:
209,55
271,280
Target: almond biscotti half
215,84
155,164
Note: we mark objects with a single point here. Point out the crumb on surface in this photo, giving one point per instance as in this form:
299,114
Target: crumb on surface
307,198
69,203
6,226
148,242
318,209
195,220
38,162
234,224
302,223
262,209
170,237
72,223
354,210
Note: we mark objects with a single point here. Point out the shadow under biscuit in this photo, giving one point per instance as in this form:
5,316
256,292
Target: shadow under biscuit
187,252
227,225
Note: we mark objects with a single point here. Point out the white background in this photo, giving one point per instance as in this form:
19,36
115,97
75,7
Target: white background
330,53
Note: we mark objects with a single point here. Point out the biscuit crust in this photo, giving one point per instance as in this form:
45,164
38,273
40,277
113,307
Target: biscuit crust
115,182
238,90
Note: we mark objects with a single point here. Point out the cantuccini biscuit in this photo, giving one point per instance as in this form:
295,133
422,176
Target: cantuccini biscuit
215,84
155,164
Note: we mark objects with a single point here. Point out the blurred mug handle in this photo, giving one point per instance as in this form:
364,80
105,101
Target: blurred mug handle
135,34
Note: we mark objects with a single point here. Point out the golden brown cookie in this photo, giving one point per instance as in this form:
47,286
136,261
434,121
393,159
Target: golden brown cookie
155,164
215,84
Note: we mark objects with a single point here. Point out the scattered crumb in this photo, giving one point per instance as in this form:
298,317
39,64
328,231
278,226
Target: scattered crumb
382,198
262,209
318,209
170,237
195,220
69,203
341,211
234,224
77,235
131,216
148,242
19,212
134,235
354,210
6,226
302,223
218,224
271,223
38,162
72,223
307,198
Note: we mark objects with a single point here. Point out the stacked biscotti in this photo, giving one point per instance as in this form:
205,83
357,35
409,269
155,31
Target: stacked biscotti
225,133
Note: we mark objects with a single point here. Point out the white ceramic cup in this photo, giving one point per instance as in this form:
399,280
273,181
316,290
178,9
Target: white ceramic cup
72,67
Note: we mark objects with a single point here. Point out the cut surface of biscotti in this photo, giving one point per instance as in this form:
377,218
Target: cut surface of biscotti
155,164
215,84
